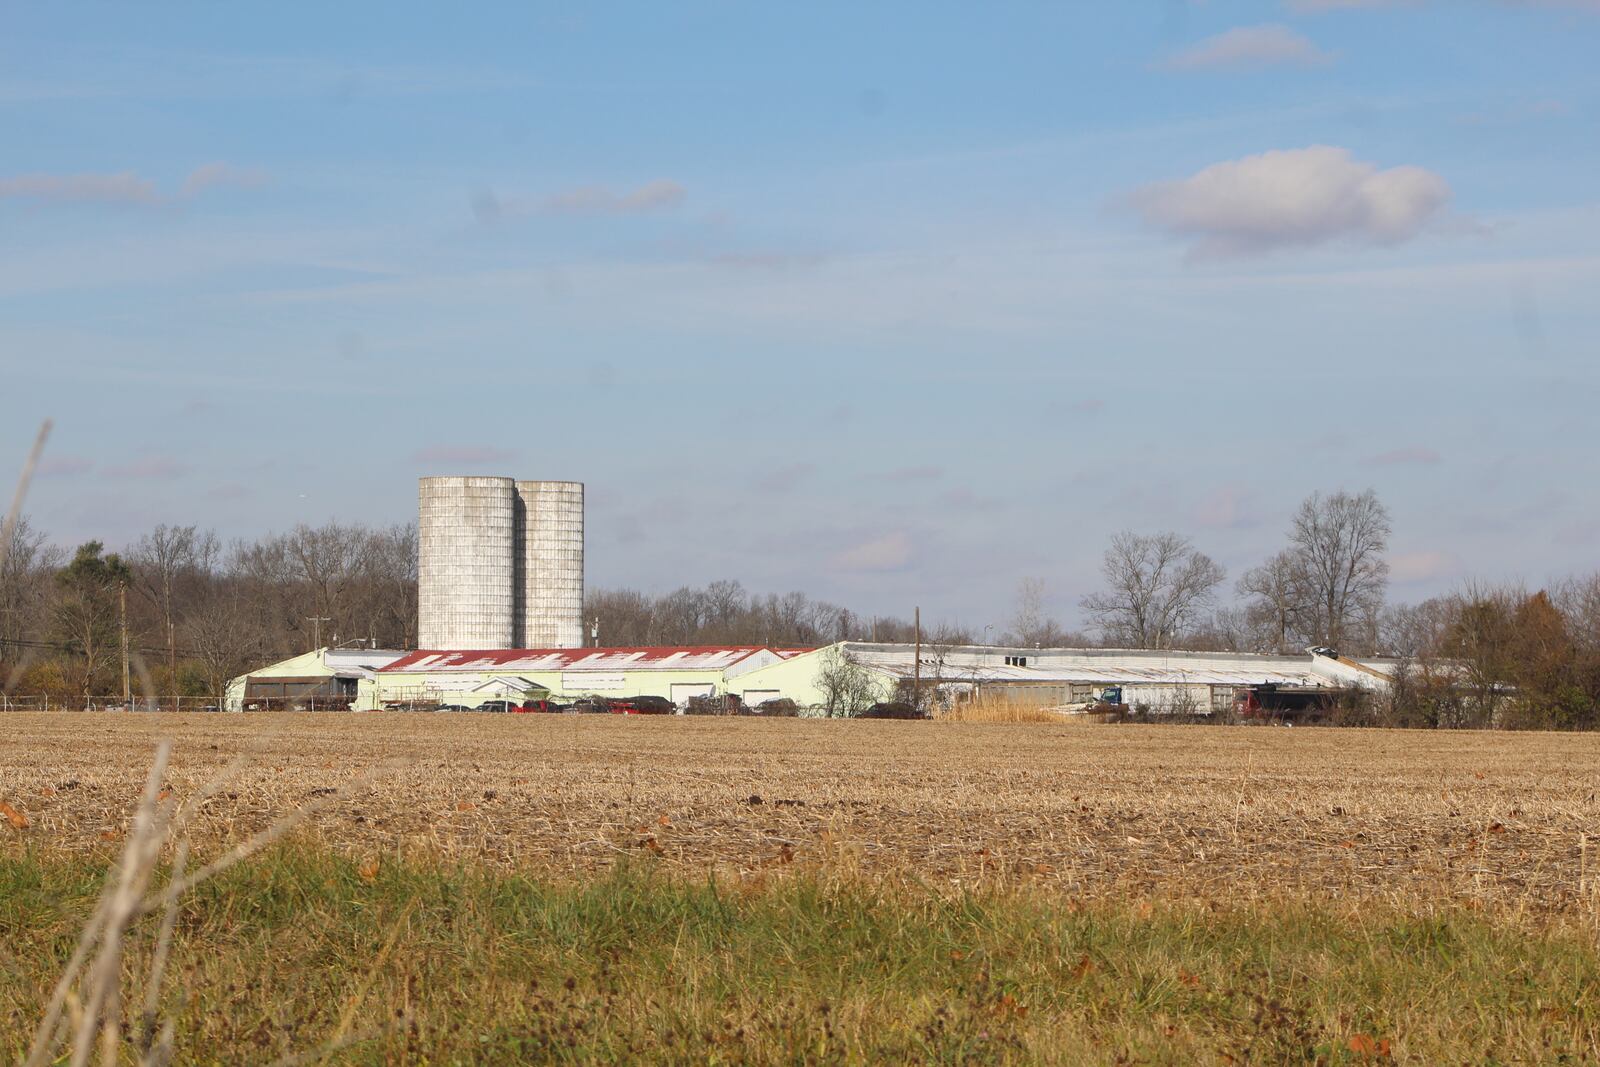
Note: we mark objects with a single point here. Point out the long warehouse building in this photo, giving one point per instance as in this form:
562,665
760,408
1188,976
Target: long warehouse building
1162,681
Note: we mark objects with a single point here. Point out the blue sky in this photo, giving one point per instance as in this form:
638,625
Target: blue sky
892,303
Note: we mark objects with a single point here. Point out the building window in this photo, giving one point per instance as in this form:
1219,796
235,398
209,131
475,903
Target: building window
1016,661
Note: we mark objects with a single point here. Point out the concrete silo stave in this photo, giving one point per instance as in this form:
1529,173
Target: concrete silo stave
550,600
466,582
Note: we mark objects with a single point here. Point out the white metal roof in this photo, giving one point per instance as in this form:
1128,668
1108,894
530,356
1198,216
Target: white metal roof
1094,666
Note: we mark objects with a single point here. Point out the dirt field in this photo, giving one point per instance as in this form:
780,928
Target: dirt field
1223,813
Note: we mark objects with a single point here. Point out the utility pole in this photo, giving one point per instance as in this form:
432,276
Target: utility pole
122,607
916,660
316,622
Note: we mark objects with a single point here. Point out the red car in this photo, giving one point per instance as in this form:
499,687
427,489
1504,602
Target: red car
539,707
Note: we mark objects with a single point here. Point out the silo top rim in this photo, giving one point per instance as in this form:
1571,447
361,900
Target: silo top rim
465,479
543,481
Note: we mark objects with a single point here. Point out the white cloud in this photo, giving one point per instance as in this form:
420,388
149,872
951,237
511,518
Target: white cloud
784,479
1225,507
64,466
1310,7
214,175
122,188
596,200
890,552
1425,566
1251,46
148,468
1408,455
488,207
1293,198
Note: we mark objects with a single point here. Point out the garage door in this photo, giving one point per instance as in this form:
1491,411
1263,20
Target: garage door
683,692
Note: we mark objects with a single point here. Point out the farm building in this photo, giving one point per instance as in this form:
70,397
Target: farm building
324,678
1162,680
471,678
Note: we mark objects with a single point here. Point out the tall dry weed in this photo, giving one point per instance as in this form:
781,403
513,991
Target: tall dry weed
999,709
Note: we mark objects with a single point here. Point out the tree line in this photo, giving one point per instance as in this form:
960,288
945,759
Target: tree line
196,612
1485,655
199,612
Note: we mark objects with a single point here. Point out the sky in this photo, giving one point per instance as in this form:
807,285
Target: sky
896,304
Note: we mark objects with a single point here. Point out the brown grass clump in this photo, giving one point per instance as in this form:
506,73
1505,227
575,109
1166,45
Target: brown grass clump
1412,819
997,709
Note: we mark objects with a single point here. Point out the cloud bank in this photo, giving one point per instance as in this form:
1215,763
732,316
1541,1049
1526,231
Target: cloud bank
122,188
597,200
1409,455
125,187
890,552
488,207
1292,198
1251,46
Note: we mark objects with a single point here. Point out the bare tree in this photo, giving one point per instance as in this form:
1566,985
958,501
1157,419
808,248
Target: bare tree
1337,543
725,602
161,560
389,600
1416,631
24,585
328,560
847,686
1031,625
1158,588
1277,592
1579,601
224,640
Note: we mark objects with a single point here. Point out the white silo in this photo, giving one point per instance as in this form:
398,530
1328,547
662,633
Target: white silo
466,585
550,602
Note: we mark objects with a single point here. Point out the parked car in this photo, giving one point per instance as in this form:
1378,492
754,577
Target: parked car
653,706
498,705
892,710
452,707
539,707
622,706
591,705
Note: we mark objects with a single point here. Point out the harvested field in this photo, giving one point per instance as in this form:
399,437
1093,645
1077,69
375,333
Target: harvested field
1225,814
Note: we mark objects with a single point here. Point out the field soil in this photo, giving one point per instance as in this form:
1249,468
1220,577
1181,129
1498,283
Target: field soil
1228,815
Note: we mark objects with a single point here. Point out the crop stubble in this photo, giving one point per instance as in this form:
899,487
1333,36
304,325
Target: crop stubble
1232,814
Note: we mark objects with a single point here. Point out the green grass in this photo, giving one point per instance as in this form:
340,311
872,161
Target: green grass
453,965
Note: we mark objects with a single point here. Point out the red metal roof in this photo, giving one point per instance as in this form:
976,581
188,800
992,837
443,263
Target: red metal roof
659,657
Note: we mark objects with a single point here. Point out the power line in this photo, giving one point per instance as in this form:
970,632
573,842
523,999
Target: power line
18,642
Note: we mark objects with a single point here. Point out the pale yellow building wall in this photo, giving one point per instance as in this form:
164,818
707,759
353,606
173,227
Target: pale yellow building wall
306,665
456,687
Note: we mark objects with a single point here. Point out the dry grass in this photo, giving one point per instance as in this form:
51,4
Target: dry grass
1414,819
988,709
